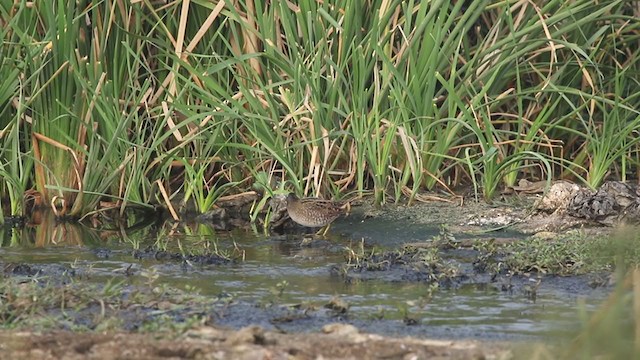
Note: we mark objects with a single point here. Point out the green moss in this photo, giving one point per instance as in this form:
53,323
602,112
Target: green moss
573,254
37,306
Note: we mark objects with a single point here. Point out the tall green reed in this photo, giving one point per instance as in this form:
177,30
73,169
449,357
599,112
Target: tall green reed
137,103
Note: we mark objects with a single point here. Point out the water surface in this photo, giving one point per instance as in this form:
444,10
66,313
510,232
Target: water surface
291,272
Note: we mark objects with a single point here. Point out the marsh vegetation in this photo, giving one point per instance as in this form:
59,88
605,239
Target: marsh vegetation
116,105
110,111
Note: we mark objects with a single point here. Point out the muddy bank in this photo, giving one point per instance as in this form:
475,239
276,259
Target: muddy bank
335,342
530,208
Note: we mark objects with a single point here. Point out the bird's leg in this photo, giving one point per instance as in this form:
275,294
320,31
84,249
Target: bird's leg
324,230
347,208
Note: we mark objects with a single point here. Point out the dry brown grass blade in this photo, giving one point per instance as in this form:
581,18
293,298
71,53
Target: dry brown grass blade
38,167
167,201
327,150
553,58
429,198
241,198
169,81
170,123
313,169
345,182
247,41
412,152
182,26
213,15
252,43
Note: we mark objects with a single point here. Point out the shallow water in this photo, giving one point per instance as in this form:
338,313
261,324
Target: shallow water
283,270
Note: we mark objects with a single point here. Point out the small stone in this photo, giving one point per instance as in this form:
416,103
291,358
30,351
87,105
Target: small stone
558,196
339,329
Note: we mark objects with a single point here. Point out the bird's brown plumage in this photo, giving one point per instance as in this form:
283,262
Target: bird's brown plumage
313,212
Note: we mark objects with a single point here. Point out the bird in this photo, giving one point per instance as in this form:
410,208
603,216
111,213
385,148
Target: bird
314,212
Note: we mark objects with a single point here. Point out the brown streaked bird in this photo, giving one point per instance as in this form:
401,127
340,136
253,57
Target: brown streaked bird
313,212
